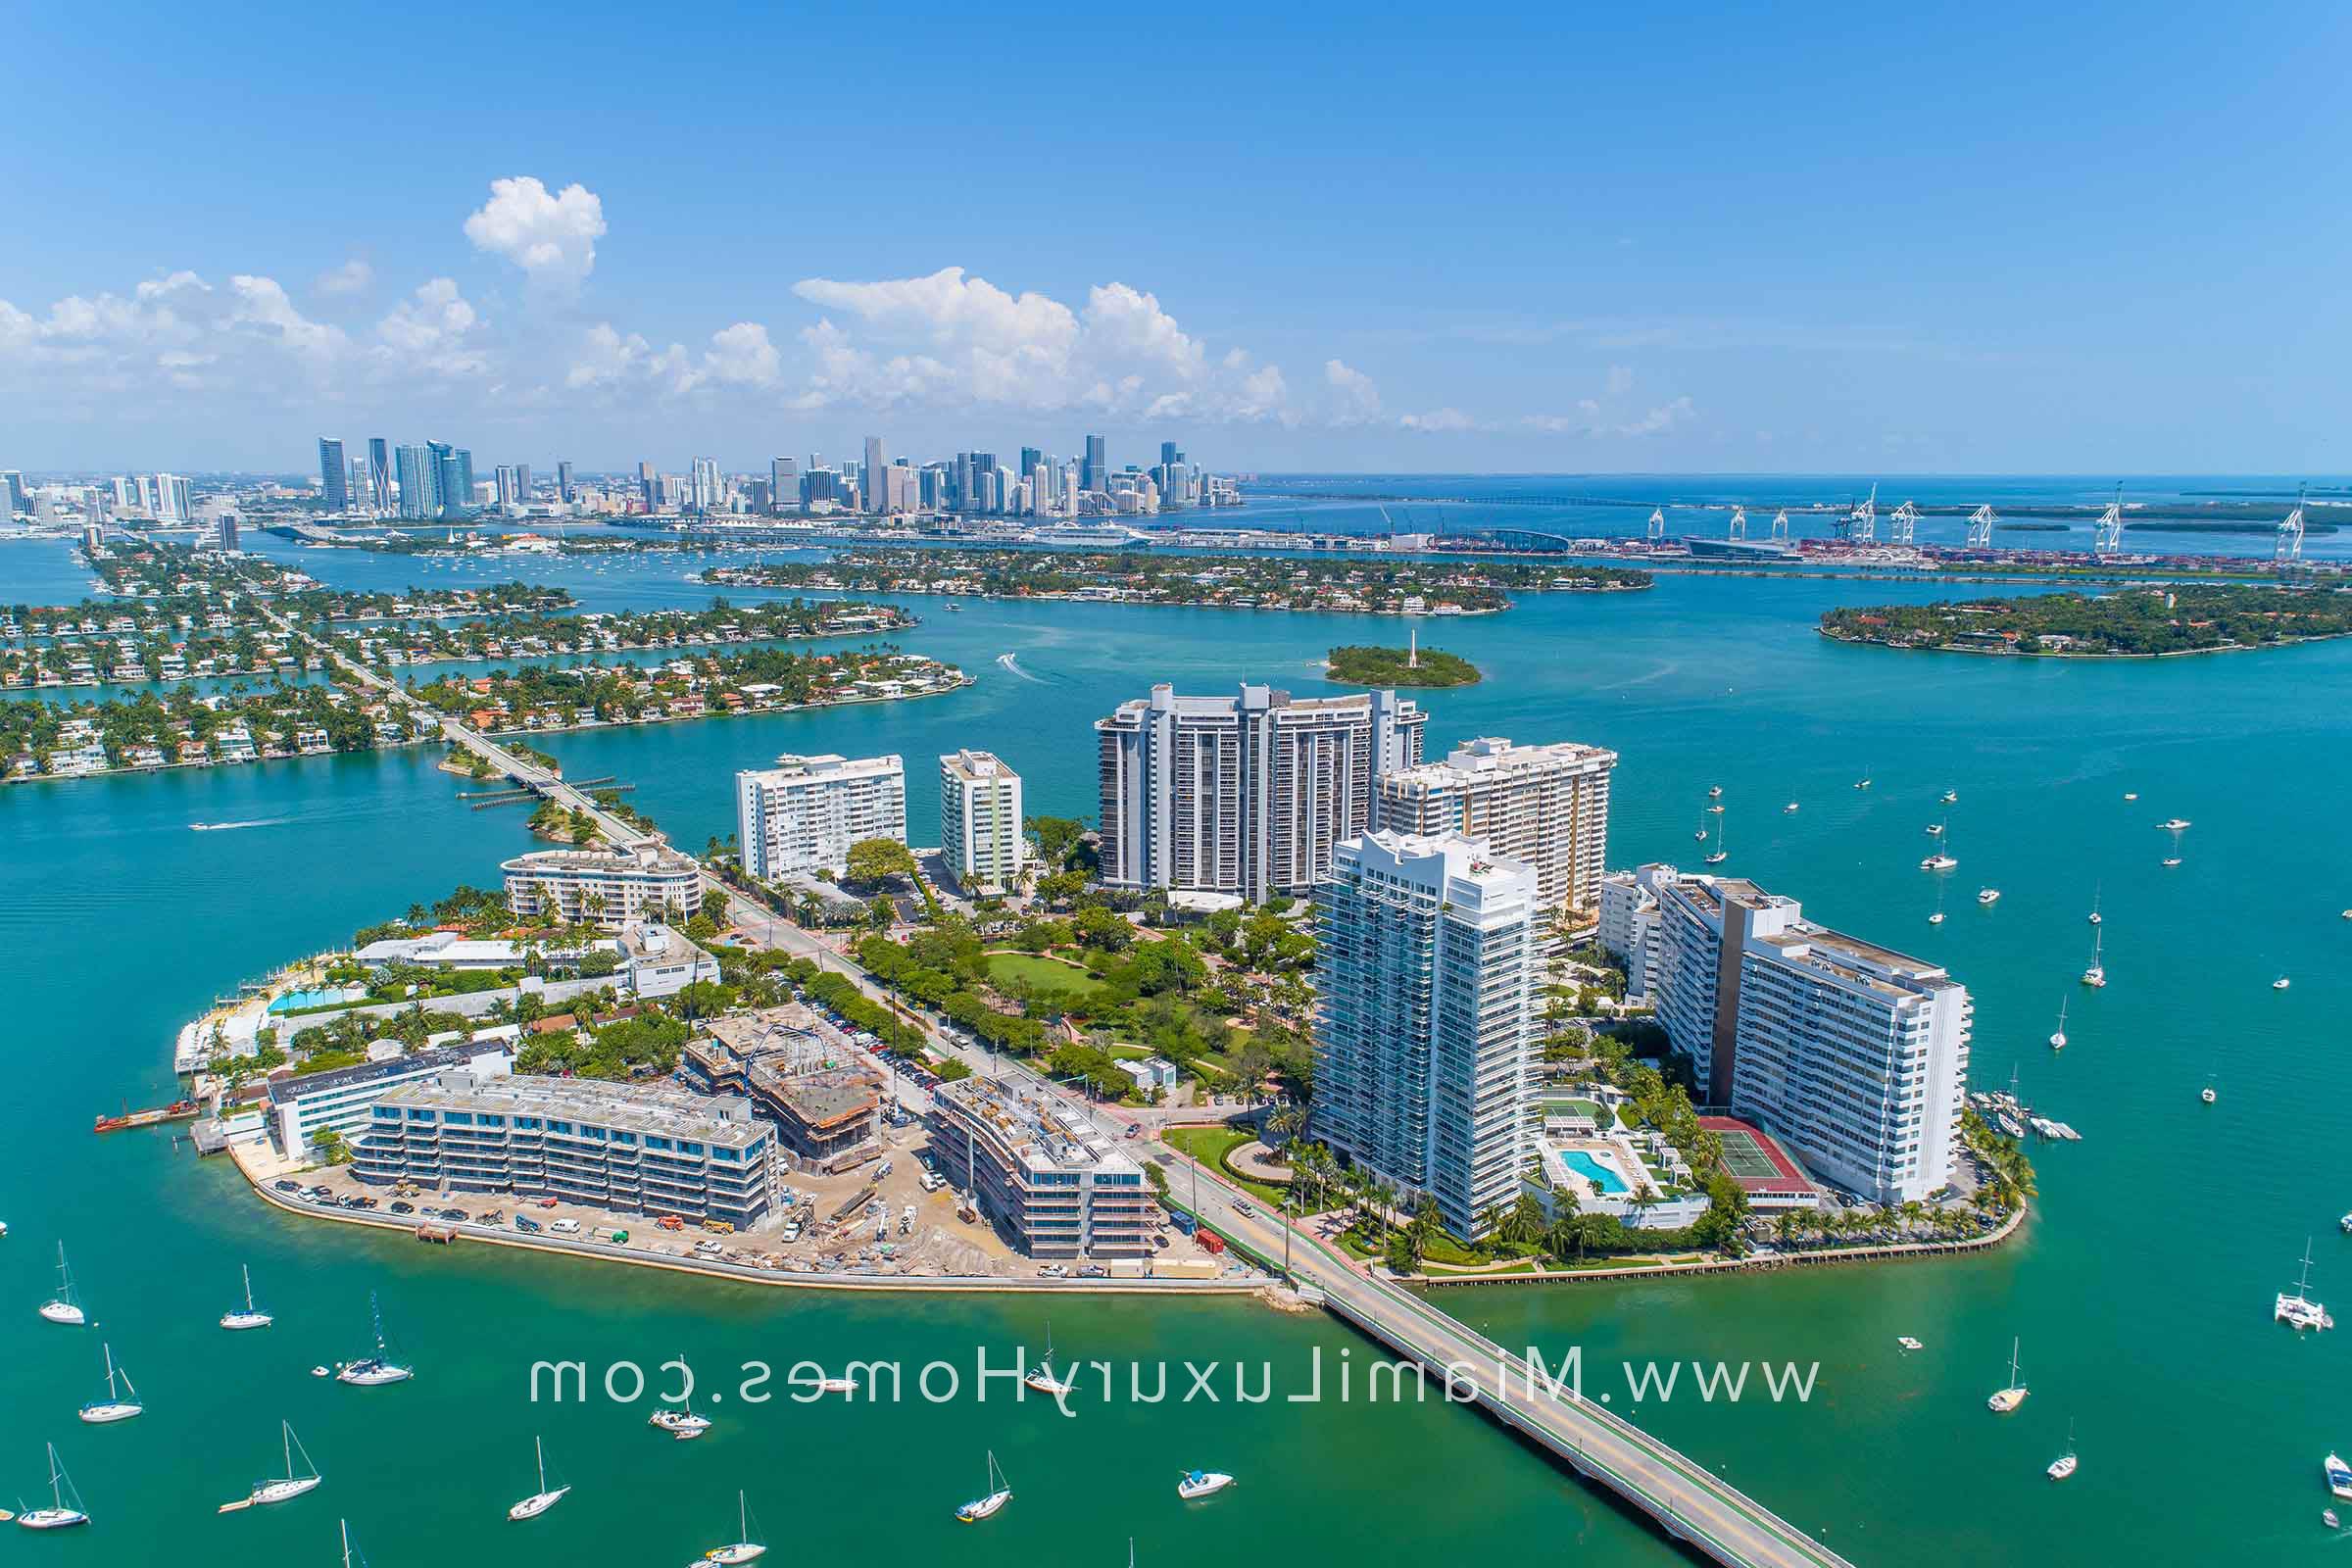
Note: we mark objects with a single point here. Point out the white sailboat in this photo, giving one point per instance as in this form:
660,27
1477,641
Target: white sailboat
373,1371
2297,1310
683,1424
57,1516
744,1548
1701,834
64,1308
1044,1379
2066,1465
546,1498
121,1403
286,1488
246,1316
2008,1398
2096,917
999,1493
2096,975
1195,1484
1722,853
2058,1036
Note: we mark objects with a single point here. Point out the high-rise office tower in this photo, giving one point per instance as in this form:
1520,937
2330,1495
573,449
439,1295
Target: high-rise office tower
523,482
649,488
379,475
1169,457
1426,977
1852,1054
962,499
1242,795
419,482
1548,805
564,480
702,490
871,481
510,494
334,474
11,492
1031,457
784,484
1094,474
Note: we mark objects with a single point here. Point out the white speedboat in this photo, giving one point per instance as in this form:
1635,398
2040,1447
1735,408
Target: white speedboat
1939,862
286,1488
1908,1343
2339,1477
1989,895
2171,860
246,1316
546,1498
837,1385
2207,1095
2130,795
374,1371
1790,806
1197,1484
1715,792
744,1548
1935,830
2296,1309
2174,825
2279,984
680,1424
121,1400
991,1502
1950,797
2008,1398
1937,918
58,1515
2345,1224
64,1308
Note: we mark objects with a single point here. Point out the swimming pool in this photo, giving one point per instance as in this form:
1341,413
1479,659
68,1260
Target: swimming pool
1606,1177
296,1000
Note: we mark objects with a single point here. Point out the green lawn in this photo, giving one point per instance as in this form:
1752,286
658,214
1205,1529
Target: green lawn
1044,974
1210,1145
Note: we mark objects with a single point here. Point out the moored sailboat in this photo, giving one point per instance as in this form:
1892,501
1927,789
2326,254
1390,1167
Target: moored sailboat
745,1547
121,1400
373,1371
286,1488
65,1307
546,1498
247,1316
998,1493
2007,1398
58,1515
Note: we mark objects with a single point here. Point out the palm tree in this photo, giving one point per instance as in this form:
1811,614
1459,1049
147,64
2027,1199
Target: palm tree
1523,1225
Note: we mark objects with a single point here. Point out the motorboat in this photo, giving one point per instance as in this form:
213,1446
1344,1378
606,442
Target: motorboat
1935,830
2280,984
2296,1309
2008,1398
1790,806
2207,1095
1988,896
1950,797
2130,795
246,1316
546,1498
987,1505
58,1515
286,1488
837,1385
64,1308
2174,825
743,1548
121,1400
2339,1477
2345,1224
374,1371
1908,1343
1197,1484
1937,918
1715,792
1939,862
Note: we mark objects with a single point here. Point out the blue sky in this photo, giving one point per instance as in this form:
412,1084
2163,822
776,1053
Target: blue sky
1988,238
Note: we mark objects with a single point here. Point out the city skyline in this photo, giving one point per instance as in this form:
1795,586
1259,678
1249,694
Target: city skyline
1542,263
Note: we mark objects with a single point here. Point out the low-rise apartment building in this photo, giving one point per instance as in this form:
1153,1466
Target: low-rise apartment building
1035,1164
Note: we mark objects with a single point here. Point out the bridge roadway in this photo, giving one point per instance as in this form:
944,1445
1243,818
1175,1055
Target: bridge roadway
1689,1503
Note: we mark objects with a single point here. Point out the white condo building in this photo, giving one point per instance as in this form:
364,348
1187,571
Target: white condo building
1245,796
802,816
1548,805
607,888
1852,1054
1426,980
980,821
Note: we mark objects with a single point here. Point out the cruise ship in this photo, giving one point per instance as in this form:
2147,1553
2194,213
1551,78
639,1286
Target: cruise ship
1097,536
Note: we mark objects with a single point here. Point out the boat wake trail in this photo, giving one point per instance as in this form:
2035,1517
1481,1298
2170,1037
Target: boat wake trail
222,827
1012,667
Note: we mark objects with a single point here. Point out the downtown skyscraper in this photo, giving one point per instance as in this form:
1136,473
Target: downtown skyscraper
334,474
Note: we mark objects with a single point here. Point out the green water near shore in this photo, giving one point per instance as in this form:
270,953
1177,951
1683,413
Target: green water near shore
2138,1289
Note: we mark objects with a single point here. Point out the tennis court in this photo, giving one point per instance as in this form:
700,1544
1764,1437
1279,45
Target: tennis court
1755,1161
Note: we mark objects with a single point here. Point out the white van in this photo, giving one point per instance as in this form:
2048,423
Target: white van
564,1227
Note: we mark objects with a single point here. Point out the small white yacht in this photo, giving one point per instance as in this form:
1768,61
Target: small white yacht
121,1400
2008,1398
373,1371
546,1498
1908,1343
837,1385
1196,1484
680,1424
2345,1224
1950,797
2280,984
1939,862
1937,918
2130,795
58,1515
1989,895
286,1488
2207,1095
2174,824
1935,830
743,1548
998,1493
2296,1309
246,1316
1790,806
2339,1477
64,1308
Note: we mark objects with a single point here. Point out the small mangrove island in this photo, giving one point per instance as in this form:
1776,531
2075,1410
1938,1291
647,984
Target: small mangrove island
1401,666
2130,623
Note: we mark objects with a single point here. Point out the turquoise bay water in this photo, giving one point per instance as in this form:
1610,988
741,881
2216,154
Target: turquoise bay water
2138,1290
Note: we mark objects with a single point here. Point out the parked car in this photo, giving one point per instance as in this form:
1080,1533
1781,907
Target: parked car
527,1225
546,1202
404,1208
287,1186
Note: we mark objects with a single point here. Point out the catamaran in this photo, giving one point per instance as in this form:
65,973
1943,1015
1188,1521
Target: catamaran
2096,975
64,1308
120,1403
57,1516
999,1493
2008,1398
1044,1379
2066,1465
546,1498
1201,1483
246,1316
281,1489
744,1548
2297,1310
373,1371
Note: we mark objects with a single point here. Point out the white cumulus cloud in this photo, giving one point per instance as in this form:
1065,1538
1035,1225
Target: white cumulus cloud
435,331
353,277
551,235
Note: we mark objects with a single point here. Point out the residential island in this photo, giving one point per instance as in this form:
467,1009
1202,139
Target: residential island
2128,624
